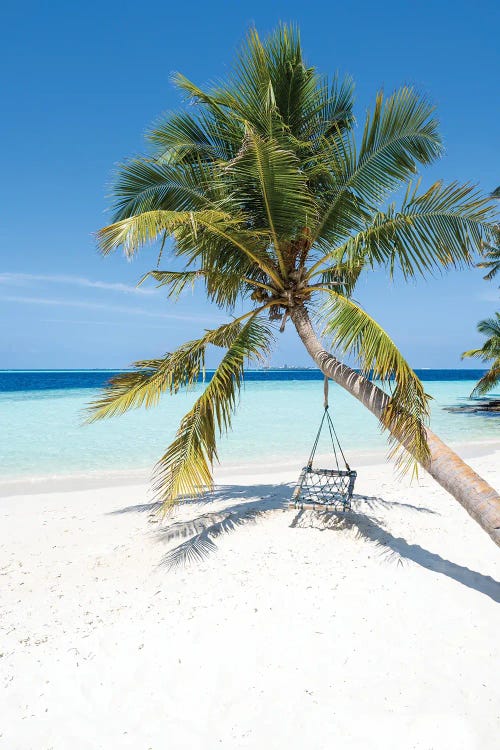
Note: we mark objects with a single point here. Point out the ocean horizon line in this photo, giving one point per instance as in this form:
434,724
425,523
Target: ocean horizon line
290,368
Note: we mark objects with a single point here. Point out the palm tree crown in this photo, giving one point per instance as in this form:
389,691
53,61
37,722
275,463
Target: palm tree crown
490,350
269,197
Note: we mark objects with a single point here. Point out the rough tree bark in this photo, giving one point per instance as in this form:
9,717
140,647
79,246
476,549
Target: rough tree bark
478,498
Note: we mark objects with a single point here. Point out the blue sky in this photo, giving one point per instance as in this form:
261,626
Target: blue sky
82,82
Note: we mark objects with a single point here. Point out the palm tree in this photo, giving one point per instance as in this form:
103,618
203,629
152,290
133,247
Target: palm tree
492,251
265,195
490,350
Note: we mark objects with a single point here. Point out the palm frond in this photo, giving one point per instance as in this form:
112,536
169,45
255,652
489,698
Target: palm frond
186,467
355,333
145,185
493,266
491,254
491,347
491,327
481,353
343,276
440,228
223,284
187,227
268,179
489,380
272,89
175,281
143,228
183,138
328,111
399,134
197,95
151,378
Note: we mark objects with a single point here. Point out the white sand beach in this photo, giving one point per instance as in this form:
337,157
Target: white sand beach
292,630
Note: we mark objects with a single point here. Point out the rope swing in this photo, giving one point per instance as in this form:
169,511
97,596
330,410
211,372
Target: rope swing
325,487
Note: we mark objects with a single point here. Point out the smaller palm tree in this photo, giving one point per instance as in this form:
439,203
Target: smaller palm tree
492,251
489,351
492,256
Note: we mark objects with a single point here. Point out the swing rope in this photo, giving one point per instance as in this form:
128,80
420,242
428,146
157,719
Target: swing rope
331,428
325,487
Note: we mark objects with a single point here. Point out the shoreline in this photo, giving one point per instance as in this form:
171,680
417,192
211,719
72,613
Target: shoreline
34,485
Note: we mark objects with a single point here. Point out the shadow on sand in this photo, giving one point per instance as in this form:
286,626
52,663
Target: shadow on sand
369,528
253,501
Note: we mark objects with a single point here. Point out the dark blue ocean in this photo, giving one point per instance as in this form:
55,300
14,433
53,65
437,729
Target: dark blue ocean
41,380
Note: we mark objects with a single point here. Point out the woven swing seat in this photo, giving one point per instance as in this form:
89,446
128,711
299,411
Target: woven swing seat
325,488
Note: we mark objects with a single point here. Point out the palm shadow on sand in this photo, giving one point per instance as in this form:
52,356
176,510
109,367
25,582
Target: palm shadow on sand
199,534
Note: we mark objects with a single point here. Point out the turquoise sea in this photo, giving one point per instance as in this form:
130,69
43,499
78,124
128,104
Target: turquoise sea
42,432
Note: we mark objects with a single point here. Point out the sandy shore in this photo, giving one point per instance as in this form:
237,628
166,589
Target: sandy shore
245,624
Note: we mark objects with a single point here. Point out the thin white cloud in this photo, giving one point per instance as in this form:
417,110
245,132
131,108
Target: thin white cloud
27,279
109,323
122,309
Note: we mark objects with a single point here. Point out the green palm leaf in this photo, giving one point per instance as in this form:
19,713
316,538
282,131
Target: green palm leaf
186,467
222,284
400,134
145,185
491,254
187,227
439,228
145,227
182,138
268,182
489,351
490,380
153,377
175,281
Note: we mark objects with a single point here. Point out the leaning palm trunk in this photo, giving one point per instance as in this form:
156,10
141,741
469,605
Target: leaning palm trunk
478,498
